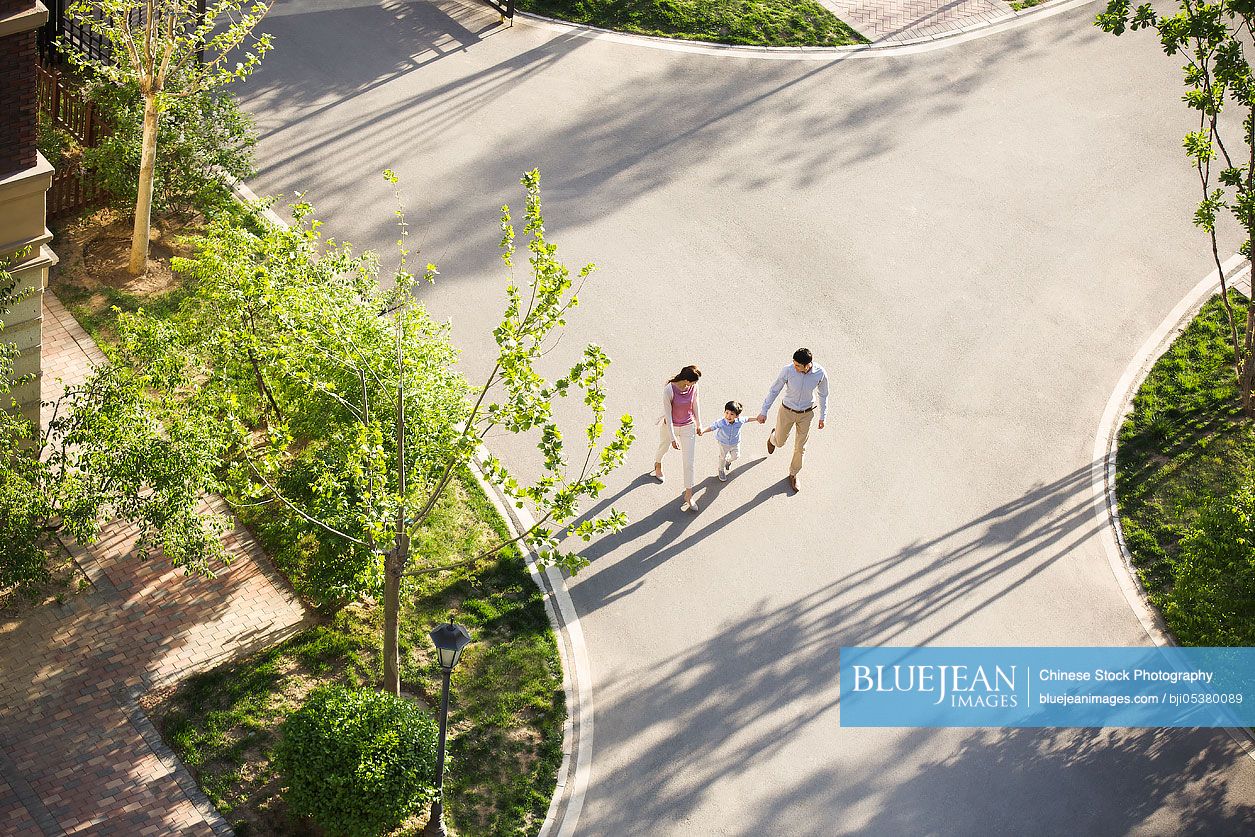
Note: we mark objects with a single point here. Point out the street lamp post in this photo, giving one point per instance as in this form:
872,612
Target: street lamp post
450,641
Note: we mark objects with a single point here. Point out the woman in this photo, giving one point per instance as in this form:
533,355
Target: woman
681,424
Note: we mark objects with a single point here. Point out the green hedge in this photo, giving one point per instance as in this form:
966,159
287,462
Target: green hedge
357,761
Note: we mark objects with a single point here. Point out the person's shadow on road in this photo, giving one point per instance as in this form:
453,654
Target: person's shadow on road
676,530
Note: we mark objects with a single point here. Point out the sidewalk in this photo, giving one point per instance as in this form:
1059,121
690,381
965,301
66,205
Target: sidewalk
77,755
896,21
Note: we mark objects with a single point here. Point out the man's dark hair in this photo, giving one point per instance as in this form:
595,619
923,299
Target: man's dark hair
734,406
803,356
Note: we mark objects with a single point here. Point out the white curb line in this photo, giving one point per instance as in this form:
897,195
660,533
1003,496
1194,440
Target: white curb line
245,195
577,732
1106,442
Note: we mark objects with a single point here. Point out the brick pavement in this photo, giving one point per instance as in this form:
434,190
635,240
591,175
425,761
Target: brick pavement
77,755
895,21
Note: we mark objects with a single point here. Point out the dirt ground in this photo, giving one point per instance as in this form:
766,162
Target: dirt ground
95,250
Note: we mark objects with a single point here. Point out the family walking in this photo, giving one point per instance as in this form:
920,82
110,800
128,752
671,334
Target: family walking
681,420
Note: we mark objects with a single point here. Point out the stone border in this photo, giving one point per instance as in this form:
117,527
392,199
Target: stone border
27,797
1106,443
913,46
129,701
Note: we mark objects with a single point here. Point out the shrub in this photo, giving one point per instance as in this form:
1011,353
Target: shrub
23,560
56,144
1213,598
357,762
281,330
204,137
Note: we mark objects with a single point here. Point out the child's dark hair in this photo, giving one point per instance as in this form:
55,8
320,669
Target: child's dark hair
734,406
803,356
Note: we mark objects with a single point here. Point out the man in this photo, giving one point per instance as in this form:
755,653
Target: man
800,382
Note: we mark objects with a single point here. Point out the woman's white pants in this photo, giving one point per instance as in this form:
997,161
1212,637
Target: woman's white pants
686,435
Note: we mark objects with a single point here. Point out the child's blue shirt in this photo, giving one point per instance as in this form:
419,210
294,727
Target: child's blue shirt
729,432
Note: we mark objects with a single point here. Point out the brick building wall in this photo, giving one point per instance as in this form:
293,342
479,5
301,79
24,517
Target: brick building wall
18,53
24,180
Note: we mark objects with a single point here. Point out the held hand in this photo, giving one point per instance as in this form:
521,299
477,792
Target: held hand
675,444
762,418
699,431
821,424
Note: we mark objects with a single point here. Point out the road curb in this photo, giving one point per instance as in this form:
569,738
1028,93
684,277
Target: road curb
577,732
913,46
1106,445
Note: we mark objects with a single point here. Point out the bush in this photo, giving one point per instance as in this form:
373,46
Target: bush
202,139
56,144
281,330
22,510
1213,598
357,762
23,560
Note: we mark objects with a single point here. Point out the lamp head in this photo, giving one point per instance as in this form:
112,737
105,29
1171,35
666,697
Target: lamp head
450,641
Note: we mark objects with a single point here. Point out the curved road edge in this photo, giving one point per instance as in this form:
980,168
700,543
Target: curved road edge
577,732
1106,443
918,45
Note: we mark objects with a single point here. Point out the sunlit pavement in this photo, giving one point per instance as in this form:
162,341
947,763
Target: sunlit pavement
974,241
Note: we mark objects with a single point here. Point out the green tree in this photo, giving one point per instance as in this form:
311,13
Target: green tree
281,350
206,142
108,452
516,397
341,401
1212,38
157,45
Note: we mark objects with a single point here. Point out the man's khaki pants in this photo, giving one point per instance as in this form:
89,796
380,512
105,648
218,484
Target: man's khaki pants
787,420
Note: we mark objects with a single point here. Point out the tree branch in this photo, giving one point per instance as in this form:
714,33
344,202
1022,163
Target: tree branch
495,548
308,518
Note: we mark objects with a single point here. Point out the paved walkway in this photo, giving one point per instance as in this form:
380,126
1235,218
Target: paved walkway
896,21
77,755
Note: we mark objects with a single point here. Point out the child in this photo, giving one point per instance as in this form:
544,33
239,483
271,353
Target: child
728,434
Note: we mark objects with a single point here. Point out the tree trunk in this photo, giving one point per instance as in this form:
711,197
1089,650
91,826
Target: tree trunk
1246,374
263,389
391,612
144,196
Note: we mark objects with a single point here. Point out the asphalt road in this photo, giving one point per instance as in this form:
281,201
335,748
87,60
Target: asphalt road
974,241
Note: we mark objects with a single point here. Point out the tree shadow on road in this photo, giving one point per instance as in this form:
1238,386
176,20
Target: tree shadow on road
727,706
1045,782
613,132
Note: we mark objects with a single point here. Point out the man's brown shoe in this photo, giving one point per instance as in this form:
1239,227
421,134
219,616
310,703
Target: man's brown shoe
794,484
770,447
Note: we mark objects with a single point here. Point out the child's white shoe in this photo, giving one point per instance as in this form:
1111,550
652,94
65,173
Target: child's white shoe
689,506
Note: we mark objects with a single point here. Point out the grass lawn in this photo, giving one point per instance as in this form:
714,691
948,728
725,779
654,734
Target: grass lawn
507,705
751,22
1183,445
